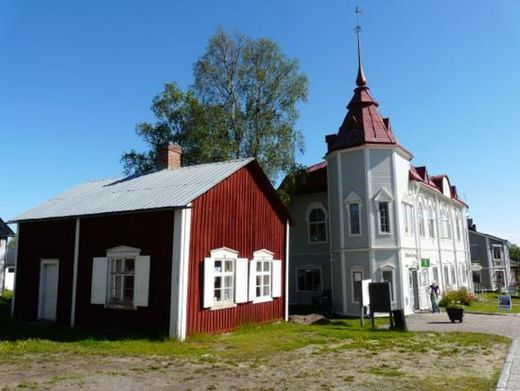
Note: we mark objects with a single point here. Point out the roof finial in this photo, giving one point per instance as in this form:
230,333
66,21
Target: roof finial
361,81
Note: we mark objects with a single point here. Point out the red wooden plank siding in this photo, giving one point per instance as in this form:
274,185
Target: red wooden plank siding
239,214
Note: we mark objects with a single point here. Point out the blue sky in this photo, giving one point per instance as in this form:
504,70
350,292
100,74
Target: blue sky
75,78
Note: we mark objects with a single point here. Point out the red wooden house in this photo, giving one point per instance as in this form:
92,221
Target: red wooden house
183,250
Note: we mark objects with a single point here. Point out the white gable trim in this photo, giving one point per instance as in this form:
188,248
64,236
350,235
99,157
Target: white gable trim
122,251
224,252
383,195
352,197
263,253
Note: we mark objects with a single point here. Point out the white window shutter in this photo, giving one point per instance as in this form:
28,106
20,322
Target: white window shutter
241,281
209,284
98,292
277,278
252,280
141,281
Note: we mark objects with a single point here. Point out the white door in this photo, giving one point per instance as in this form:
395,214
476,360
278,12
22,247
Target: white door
48,290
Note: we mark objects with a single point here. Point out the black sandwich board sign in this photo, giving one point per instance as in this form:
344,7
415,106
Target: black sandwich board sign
380,298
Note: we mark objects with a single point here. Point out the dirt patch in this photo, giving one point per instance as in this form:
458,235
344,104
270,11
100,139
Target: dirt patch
333,366
309,319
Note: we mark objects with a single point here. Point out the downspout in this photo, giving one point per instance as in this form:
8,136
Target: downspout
75,274
286,315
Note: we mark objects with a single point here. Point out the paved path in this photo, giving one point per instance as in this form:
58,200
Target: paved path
507,326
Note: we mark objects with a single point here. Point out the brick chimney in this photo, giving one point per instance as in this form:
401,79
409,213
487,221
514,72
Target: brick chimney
169,156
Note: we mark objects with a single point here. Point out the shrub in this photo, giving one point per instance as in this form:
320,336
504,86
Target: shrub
462,296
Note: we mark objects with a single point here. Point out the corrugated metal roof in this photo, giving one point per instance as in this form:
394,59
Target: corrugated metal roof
161,189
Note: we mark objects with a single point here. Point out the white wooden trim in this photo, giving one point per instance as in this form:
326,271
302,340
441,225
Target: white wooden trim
123,251
286,298
180,273
43,262
18,232
75,274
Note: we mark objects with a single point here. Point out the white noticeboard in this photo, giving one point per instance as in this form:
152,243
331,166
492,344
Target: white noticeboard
364,292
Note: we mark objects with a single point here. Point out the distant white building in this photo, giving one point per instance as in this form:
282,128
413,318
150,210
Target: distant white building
367,213
6,277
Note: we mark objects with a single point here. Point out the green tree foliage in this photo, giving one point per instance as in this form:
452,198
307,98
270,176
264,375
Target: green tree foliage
514,252
243,103
12,243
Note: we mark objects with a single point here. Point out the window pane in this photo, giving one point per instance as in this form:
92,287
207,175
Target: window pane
258,280
129,295
266,279
301,280
266,266
229,266
267,290
259,266
228,281
354,219
218,266
129,265
228,294
316,215
218,282
218,295
258,291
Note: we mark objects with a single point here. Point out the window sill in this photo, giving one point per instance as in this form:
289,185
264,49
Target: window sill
262,300
222,306
121,307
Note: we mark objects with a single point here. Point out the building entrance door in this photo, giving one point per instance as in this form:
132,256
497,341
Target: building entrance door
414,289
48,290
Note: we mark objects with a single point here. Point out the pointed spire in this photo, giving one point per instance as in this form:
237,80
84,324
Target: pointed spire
361,80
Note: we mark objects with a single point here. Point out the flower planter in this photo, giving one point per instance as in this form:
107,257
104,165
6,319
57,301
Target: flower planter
455,314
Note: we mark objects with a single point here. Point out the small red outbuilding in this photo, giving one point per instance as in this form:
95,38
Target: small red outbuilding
183,250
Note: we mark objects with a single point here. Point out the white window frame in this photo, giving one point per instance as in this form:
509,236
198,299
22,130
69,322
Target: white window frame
388,217
113,274
122,252
310,208
261,256
422,229
349,204
309,267
431,223
352,280
457,222
499,247
223,255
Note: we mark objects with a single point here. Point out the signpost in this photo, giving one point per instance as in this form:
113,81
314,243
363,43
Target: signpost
425,262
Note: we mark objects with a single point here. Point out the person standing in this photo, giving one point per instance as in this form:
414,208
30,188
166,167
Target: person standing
434,292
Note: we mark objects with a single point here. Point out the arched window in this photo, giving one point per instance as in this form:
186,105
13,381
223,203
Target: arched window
421,220
431,222
317,224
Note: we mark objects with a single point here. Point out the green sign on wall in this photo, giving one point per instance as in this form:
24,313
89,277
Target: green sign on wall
425,262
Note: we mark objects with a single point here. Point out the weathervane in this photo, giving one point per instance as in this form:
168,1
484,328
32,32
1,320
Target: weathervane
360,80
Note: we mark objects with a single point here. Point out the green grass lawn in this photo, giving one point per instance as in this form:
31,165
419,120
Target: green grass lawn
24,343
490,305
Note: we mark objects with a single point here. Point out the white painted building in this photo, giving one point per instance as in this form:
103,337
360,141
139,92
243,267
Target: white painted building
368,213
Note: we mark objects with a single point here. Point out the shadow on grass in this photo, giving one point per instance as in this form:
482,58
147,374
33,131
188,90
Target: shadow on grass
12,330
